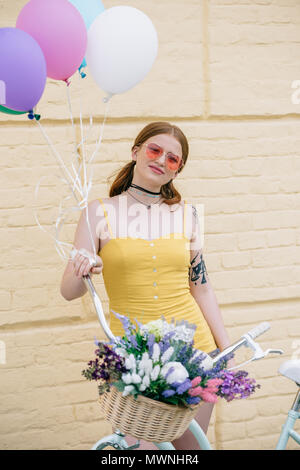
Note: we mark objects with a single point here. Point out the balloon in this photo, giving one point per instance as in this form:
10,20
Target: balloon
122,46
59,29
23,70
89,10
30,113
10,111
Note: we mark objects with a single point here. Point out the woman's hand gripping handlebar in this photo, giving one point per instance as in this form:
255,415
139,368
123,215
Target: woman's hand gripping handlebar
86,265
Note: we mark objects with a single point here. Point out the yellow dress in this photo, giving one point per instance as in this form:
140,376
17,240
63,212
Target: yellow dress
145,279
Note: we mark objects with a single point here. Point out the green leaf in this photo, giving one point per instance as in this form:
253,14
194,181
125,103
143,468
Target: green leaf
120,385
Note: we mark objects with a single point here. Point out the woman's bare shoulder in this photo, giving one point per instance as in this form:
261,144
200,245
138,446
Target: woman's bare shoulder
98,209
176,206
104,200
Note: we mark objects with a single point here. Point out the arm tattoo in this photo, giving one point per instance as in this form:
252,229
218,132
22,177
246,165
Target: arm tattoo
195,214
197,270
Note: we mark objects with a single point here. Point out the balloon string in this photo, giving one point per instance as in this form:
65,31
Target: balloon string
77,155
98,143
84,140
59,248
60,161
86,185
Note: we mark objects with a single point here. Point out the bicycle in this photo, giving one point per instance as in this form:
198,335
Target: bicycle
289,369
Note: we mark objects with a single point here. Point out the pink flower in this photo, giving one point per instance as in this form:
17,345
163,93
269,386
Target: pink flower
196,381
194,392
207,393
209,397
213,385
214,382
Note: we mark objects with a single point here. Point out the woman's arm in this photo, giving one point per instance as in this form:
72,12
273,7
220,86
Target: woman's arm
72,285
201,288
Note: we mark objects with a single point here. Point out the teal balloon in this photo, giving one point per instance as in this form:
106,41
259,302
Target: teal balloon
89,10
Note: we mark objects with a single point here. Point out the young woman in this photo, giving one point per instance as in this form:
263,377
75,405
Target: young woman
149,249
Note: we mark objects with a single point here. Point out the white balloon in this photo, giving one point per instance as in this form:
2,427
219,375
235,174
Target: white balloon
122,47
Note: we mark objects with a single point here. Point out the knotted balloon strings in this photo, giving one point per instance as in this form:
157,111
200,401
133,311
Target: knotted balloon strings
73,182
63,213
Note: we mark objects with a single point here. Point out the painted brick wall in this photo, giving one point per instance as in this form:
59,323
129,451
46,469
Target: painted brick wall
224,73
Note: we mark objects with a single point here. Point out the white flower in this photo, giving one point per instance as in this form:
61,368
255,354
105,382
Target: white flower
155,372
179,374
140,371
146,367
145,356
167,354
121,352
145,383
127,378
207,363
127,390
156,352
197,353
143,363
184,331
130,362
136,379
154,327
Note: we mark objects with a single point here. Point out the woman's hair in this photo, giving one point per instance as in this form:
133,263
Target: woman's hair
125,175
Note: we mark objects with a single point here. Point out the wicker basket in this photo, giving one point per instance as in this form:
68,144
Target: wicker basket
144,418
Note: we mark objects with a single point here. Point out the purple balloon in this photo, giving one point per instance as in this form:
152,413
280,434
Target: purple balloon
23,70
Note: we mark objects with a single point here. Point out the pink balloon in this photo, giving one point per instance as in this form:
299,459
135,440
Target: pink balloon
60,31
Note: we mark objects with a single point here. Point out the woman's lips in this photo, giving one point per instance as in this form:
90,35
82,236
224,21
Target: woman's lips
156,170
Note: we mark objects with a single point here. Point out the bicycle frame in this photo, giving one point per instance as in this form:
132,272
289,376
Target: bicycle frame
288,427
118,442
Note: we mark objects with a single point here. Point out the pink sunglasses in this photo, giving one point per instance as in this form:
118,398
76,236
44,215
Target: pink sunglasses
153,151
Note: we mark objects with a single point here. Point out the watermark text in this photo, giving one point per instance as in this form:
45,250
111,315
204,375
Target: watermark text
2,352
135,221
2,93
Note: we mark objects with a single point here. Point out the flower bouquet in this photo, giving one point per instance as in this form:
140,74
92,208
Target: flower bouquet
152,381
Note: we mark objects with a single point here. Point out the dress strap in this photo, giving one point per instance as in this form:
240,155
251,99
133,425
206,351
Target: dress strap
106,217
184,217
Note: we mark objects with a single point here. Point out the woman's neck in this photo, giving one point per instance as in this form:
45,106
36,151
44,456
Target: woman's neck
146,185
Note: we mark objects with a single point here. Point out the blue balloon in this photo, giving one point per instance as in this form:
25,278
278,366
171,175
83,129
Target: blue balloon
89,10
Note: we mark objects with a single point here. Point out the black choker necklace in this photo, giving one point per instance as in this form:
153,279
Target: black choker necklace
143,189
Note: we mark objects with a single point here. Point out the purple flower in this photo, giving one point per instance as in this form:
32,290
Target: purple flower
150,343
236,385
171,369
132,340
193,400
168,393
140,325
168,336
163,346
183,387
125,322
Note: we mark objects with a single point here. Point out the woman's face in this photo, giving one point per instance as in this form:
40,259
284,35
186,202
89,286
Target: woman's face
168,150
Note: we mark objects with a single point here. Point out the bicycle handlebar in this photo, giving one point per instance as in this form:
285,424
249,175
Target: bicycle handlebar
259,330
98,306
247,340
